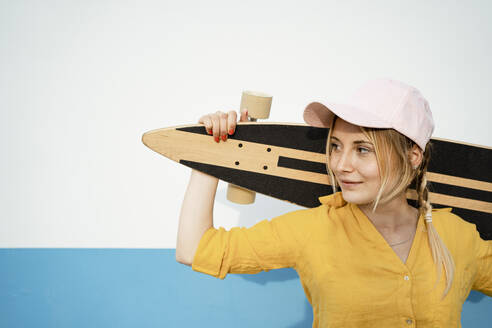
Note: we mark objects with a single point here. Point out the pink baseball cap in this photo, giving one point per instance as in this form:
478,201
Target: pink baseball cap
379,103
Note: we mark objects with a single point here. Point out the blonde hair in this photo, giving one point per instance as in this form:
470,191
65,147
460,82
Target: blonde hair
392,149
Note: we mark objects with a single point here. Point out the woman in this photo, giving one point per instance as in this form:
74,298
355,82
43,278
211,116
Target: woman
365,257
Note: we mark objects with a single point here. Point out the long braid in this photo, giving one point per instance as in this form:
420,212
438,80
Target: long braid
440,252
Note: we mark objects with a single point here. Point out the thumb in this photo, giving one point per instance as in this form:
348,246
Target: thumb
244,115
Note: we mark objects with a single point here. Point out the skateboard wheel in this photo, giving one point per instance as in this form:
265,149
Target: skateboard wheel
257,103
240,195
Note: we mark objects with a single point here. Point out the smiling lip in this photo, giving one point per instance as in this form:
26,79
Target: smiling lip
348,184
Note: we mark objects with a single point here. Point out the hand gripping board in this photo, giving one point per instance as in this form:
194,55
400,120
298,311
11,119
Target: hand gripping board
287,161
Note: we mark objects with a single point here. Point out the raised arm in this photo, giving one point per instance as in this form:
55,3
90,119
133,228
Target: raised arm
196,215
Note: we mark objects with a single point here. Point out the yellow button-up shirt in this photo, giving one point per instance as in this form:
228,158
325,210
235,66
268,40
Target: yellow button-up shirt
350,275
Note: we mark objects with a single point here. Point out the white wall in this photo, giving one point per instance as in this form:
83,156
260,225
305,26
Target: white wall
81,81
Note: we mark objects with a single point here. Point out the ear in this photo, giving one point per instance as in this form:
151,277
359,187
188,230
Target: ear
415,155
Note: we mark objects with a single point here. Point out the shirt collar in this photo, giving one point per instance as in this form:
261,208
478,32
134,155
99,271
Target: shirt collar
335,200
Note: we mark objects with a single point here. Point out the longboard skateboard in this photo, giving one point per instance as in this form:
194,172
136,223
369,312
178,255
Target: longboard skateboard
287,161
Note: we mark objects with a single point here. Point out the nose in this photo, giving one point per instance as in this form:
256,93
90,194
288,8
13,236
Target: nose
344,162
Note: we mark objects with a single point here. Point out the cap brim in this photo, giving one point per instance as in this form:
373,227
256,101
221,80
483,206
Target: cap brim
318,115
321,115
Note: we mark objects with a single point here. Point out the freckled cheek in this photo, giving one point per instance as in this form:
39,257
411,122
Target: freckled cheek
333,168
369,170
333,163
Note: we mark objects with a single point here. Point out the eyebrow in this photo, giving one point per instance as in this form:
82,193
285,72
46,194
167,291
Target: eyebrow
355,142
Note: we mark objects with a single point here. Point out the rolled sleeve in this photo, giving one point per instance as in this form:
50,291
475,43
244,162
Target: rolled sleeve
269,244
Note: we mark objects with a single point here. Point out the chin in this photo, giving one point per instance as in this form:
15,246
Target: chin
356,197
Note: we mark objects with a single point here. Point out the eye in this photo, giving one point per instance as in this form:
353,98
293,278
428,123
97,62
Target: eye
363,150
333,146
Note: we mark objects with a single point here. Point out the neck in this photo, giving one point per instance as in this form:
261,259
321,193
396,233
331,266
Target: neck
392,215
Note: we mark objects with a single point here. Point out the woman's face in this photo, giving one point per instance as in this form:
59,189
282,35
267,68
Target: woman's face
353,162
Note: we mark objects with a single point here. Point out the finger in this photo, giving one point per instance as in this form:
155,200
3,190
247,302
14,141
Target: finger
244,115
231,122
215,126
223,126
207,122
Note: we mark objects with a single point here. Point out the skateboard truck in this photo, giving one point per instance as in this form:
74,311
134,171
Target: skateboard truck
258,105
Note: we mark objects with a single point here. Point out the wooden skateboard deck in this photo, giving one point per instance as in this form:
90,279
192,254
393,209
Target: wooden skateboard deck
287,161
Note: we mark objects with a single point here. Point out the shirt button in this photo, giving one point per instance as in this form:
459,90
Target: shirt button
406,278
409,321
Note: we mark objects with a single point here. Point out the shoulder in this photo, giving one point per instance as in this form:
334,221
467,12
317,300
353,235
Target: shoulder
455,230
448,221
301,217
313,218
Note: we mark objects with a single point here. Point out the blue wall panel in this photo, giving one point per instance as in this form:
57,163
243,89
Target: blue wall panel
148,288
